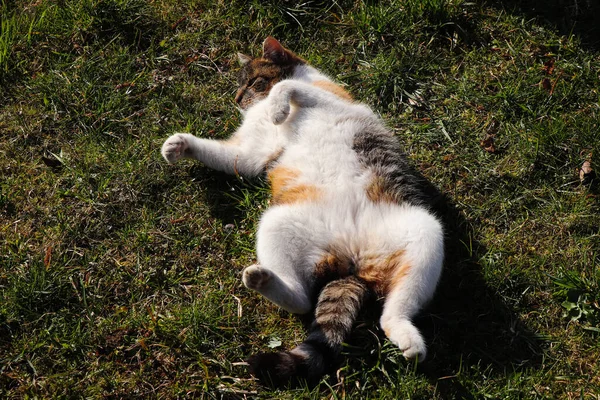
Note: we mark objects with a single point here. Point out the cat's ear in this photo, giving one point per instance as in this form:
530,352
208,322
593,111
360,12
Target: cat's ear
244,59
275,52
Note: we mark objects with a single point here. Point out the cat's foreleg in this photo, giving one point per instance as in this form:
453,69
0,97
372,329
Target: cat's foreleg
225,156
302,94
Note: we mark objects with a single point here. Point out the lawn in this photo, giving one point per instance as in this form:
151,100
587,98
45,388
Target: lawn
120,274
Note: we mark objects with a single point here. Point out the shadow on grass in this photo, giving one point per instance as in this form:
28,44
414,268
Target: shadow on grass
577,17
220,194
467,325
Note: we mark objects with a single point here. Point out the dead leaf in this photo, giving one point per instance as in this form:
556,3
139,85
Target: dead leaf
549,66
142,343
48,257
488,143
179,21
586,173
124,85
189,60
546,84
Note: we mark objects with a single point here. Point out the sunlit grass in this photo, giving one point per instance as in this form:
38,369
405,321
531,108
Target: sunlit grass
120,274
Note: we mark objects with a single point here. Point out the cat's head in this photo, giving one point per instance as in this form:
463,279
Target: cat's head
258,75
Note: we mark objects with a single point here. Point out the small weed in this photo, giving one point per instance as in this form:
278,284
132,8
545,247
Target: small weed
581,301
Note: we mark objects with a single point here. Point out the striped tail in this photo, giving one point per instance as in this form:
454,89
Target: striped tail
337,308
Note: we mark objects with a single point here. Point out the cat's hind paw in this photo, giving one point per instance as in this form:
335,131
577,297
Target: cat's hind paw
174,148
256,277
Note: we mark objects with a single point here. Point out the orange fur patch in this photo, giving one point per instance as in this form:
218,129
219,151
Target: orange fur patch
298,194
378,192
332,267
399,275
383,273
334,88
285,190
280,178
386,330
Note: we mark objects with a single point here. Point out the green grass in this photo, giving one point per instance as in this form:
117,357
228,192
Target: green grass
120,275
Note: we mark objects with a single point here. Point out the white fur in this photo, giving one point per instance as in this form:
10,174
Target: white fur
313,130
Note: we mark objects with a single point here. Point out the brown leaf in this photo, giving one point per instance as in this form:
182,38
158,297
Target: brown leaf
189,60
179,21
124,85
48,257
546,84
549,66
586,173
488,143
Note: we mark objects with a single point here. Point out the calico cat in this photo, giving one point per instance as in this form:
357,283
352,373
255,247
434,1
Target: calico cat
348,215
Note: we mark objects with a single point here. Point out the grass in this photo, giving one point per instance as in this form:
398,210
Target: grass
120,275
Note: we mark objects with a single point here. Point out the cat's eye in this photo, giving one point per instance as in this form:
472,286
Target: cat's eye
259,84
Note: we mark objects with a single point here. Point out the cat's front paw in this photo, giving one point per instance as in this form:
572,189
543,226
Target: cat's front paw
279,112
174,148
279,106
255,277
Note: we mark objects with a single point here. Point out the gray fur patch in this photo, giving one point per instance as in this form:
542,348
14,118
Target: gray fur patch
379,151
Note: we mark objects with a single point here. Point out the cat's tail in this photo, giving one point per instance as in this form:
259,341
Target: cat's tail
337,308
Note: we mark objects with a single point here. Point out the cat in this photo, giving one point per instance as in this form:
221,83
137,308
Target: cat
348,215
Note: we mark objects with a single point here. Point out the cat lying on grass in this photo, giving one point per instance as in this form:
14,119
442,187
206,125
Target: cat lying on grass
348,215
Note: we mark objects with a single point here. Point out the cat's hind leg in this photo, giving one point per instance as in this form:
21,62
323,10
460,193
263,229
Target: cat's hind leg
401,331
287,249
289,295
410,289
414,270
